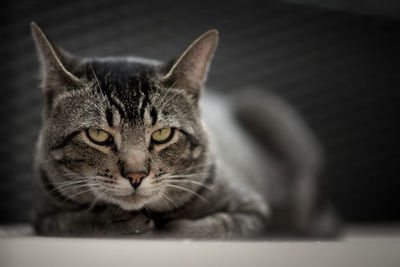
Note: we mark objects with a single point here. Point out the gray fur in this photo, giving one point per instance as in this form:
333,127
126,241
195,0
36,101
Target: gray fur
231,186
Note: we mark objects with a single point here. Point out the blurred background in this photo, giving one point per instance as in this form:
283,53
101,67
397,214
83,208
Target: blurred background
337,62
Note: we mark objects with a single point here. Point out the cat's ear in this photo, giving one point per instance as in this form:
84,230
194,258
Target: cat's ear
55,75
190,70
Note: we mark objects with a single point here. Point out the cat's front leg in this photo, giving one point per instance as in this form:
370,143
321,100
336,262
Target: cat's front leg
228,213
108,222
217,226
131,224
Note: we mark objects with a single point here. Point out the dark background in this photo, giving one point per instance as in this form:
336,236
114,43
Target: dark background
337,62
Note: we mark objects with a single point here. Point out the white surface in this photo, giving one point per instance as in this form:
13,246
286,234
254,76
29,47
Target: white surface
39,251
362,246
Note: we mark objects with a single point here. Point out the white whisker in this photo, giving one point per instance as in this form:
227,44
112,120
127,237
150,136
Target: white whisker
95,200
175,93
169,200
167,91
192,182
80,193
193,167
187,190
195,175
94,74
66,188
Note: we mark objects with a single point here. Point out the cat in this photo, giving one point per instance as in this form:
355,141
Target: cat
133,147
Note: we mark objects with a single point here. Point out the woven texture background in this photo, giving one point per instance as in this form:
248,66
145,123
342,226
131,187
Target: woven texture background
340,70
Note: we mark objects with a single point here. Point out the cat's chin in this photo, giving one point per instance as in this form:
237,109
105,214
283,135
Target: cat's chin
130,202
131,206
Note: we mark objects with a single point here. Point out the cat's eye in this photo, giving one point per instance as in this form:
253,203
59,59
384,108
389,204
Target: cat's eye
98,136
162,136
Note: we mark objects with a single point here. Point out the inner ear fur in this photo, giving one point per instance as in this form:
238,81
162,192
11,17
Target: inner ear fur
190,70
55,76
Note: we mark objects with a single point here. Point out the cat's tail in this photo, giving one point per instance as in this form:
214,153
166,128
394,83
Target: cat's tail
279,128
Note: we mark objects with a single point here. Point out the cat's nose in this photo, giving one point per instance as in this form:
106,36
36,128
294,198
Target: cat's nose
135,178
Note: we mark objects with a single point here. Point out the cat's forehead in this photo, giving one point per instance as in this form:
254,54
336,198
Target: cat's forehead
131,91
128,86
123,76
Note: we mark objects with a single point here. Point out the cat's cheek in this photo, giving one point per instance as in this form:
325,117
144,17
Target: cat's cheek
176,138
175,154
145,188
124,188
197,152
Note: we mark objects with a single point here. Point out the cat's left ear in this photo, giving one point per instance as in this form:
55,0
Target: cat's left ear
190,71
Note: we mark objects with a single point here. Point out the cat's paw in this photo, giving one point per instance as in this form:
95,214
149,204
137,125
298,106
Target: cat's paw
136,224
183,229
141,223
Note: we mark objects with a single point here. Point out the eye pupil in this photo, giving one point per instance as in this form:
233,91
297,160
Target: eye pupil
162,136
98,136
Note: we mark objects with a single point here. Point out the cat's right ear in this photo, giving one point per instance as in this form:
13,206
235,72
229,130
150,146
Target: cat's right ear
55,76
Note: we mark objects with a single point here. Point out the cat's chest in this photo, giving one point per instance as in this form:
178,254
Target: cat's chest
240,158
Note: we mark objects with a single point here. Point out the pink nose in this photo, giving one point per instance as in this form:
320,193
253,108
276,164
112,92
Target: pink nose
135,178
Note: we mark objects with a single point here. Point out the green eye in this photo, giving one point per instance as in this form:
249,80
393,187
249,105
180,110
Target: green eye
98,136
162,136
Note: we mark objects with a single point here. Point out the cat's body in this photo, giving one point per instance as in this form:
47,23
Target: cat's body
124,150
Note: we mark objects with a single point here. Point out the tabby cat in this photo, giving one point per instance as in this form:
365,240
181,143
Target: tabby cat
124,150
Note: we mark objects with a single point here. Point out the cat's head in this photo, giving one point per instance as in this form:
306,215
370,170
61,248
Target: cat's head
126,131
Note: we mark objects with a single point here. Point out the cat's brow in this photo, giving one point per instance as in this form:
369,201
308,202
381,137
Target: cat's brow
109,117
65,141
118,105
154,116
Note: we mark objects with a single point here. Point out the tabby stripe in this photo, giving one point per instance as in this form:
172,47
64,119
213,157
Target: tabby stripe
121,111
53,191
66,161
145,101
193,141
153,114
109,117
65,141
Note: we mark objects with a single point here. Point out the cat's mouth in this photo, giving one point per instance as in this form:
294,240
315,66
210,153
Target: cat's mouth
134,195
134,200
131,197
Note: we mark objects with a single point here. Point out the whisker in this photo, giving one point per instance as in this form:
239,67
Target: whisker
118,207
80,175
193,167
169,201
94,74
187,190
69,188
75,182
79,193
195,175
175,93
187,169
163,201
95,200
167,91
192,182
148,211
70,182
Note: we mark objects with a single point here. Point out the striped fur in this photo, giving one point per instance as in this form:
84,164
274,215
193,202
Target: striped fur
190,188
